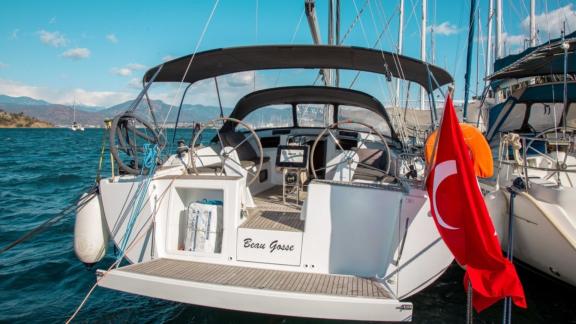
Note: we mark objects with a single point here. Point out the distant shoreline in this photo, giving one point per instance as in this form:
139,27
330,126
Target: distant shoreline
20,120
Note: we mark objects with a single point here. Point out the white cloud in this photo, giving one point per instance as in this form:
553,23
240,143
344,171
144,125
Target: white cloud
135,66
204,92
122,71
135,83
55,39
112,38
77,53
64,96
128,69
168,58
3,65
513,40
241,79
551,23
14,33
445,29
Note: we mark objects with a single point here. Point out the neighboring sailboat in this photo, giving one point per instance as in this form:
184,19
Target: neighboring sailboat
533,136
75,125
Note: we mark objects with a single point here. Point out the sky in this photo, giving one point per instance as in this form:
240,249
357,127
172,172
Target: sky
95,53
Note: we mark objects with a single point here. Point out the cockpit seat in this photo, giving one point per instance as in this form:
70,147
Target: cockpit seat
246,153
371,161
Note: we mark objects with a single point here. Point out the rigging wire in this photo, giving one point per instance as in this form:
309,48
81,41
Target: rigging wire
204,29
395,56
292,41
354,22
396,59
82,201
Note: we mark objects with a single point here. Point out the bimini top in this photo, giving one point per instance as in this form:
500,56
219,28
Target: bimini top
253,58
545,59
308,95
533,109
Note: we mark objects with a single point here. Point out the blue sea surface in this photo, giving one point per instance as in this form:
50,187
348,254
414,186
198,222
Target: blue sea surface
43,171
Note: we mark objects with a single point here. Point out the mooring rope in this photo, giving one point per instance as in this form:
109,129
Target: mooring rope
139,235
82,201
101,159
150,158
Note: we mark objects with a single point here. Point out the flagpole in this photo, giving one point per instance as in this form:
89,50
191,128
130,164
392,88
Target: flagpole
469,309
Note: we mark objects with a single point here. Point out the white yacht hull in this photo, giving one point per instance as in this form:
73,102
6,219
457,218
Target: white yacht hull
382,236
293,301
544,231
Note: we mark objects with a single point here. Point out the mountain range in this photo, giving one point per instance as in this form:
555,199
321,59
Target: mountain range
63,115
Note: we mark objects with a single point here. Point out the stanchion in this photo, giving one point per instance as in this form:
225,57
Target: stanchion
507,313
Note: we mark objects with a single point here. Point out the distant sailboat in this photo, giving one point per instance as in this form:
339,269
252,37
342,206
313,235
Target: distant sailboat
75,125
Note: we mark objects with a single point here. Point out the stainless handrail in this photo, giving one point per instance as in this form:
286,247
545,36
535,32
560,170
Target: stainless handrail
503,154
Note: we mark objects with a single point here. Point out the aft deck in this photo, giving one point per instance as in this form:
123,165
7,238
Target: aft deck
226,275
271,213
288,293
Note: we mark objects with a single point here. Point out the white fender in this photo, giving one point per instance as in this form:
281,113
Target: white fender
90,231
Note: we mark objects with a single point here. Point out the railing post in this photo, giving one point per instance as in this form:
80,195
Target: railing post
525,162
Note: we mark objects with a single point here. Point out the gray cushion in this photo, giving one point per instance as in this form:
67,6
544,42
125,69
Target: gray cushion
374,158
245,151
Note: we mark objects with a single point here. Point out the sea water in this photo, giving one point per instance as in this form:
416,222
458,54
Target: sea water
43,171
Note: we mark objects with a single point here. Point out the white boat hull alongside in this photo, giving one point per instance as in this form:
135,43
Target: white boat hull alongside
544,231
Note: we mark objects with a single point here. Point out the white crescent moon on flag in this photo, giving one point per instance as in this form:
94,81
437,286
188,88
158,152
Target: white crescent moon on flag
441,172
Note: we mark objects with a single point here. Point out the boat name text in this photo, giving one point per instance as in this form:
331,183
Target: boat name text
273,246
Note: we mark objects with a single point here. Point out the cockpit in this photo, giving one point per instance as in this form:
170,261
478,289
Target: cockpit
288,136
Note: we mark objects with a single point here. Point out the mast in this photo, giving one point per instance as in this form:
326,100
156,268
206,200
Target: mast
331,32
399,49
565,47
310,9
432,41
423,47
337,40
488,65
498,46
532,23
469,57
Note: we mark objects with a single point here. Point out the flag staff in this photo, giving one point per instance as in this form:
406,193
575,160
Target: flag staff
469,308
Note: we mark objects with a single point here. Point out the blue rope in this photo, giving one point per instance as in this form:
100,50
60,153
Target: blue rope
150,157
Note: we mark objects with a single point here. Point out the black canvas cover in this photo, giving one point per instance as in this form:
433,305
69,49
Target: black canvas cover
218,62
545,59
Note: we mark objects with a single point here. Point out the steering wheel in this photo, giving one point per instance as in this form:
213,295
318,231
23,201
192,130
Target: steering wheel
563,134
125,133
348,159
226,154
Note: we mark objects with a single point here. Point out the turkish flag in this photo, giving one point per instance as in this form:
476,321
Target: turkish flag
463,220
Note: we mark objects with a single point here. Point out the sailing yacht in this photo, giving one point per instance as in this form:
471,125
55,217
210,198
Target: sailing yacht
304,216
75,125
533,136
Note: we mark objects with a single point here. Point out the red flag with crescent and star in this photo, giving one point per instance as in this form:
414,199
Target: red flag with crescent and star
463,221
